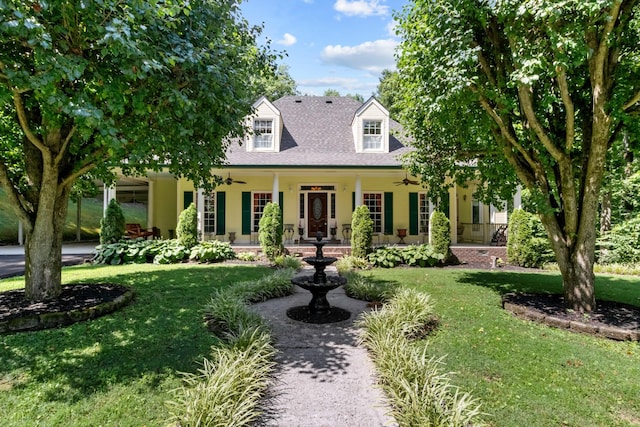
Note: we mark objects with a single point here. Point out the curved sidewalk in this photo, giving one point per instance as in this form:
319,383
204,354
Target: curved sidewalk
323,377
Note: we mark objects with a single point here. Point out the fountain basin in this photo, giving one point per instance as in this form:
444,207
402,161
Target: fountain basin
318,310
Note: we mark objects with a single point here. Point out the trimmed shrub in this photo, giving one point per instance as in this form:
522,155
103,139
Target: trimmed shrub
621,245
527,245
187,230
440,234
361,231
212,251
270,231
112,224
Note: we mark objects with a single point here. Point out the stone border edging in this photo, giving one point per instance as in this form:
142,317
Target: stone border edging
64,318
606,331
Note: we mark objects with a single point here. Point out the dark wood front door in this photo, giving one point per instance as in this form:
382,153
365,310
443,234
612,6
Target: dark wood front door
317,213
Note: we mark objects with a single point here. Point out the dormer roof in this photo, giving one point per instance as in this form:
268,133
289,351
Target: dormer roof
317,131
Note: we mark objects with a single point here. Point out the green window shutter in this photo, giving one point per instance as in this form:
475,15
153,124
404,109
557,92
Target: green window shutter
221,198
388,213
353,201
413,213
188,199
246,212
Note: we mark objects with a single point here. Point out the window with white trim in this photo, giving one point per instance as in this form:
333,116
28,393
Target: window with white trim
374,202
263,134
209,213
372,135
259,201
423,213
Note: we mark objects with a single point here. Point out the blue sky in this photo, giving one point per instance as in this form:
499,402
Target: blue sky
331,44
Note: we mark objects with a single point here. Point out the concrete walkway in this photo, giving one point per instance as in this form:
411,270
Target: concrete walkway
323,377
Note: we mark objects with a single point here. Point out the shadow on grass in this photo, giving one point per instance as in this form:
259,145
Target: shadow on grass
508,281
625,289
159,334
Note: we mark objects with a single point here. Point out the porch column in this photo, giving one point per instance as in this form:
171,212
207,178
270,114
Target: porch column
358,193
517,198
275,197
150,202
453,214
200,204
108,194
430,213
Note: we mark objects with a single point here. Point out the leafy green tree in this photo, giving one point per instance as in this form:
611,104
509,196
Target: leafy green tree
90,84
275,85
440,234
532,91
388,91
270,231
112,225
331,92
187,229
361,231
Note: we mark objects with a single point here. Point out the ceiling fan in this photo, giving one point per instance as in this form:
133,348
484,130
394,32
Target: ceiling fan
230,181
406,181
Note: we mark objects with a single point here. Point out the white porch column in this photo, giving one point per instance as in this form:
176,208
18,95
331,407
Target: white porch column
20,233
150,202
358,193
453,214
200,204
430,213
108,194
275,197
517,198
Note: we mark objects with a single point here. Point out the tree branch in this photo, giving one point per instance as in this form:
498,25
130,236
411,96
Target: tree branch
24,124
634,100
69,180
568,105
65,144
14,197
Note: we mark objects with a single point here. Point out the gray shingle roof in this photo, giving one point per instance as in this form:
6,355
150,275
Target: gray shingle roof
317,133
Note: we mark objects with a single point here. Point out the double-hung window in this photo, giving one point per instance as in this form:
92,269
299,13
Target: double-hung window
374,202
260,200
263,134
423,213
372,135
209,213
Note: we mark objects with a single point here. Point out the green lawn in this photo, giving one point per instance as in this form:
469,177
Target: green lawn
118,369
92,209
527,374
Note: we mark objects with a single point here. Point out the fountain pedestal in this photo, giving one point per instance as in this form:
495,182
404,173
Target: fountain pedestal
318,310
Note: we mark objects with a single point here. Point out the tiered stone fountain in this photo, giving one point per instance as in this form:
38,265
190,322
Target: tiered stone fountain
319,310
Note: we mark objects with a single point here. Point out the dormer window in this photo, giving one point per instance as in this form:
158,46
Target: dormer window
263,134
372,135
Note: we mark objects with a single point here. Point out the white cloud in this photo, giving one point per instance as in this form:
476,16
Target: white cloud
391,28
288,39
372,56
361,7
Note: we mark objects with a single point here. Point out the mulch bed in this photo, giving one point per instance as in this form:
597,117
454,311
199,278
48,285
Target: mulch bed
610,319
73,297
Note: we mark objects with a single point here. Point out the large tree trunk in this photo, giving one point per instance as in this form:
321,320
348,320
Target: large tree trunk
578,279
43,247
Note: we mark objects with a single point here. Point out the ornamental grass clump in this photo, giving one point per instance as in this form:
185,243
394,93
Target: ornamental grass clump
420,391
227,389
366,288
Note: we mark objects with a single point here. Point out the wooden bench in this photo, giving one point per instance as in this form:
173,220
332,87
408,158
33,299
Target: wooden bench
133,231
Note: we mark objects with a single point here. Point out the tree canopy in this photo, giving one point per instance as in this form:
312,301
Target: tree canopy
91,86
530,92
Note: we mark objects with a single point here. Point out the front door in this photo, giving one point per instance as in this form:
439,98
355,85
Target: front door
317,209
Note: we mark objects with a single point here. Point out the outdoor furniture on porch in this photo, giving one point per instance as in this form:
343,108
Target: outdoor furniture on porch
134,231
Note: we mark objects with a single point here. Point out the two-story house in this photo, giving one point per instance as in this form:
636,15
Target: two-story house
318,157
